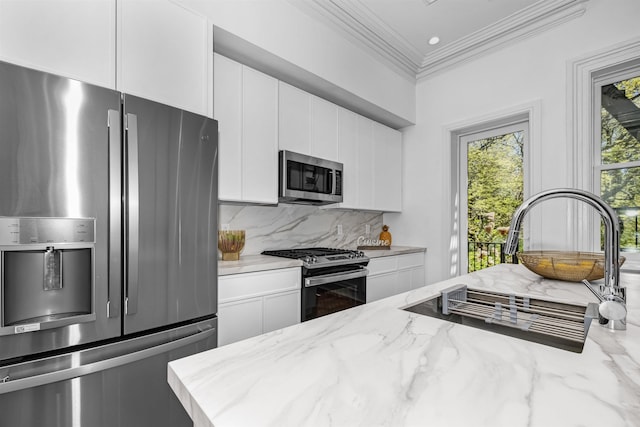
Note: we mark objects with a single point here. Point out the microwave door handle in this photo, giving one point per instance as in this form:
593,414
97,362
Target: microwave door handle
133,215
334,182
332,278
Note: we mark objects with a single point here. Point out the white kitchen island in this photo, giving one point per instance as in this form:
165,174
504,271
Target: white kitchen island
378,365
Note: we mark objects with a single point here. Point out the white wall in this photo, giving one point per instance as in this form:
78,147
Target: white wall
531,71
283,30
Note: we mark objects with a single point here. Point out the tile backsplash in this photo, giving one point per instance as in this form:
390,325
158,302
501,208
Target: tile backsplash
298,226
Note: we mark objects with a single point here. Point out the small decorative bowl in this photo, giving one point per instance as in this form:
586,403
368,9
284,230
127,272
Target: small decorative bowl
231,243
564,265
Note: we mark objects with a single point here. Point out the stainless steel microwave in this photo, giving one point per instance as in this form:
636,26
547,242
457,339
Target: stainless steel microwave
308,180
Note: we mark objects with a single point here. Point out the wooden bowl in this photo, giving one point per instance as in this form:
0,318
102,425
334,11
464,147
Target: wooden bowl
231,243
565,265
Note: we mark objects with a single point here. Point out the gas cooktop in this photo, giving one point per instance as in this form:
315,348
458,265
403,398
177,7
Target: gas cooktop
321,257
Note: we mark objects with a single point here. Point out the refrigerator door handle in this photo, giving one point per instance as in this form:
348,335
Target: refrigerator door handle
133,215
7,385
115,220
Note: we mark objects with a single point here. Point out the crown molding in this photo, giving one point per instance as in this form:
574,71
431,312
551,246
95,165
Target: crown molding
353,18
535,19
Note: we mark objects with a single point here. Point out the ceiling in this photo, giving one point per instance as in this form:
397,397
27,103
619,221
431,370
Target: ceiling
398,31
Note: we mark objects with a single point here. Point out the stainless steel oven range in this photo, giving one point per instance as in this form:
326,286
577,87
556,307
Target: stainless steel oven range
332,279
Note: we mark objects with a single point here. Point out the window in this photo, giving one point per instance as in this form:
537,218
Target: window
617,169
491,189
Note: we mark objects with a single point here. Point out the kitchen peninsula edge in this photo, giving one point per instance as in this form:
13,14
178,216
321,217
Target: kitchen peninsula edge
378,365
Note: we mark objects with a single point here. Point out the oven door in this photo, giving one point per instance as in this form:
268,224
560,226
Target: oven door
331,291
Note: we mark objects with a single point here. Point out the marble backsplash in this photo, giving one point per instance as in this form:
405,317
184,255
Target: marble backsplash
297,226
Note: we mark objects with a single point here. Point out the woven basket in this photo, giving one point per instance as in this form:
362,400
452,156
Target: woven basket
563,265
231,243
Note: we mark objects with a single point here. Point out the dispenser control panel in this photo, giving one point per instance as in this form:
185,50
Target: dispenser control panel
25,231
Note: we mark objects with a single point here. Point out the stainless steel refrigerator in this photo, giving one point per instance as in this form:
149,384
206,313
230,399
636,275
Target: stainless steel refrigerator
108,219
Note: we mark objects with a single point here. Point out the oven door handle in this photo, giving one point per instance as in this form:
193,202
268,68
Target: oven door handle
330,278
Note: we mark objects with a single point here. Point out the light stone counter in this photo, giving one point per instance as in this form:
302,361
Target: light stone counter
377,365
251,263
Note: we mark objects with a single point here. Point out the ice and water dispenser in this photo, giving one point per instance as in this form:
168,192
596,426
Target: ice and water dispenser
46,272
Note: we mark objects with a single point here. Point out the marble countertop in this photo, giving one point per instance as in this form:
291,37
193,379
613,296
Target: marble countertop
378,365
252,263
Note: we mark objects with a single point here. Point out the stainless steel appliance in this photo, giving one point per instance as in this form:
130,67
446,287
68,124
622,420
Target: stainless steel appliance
108,217
305,179
332,279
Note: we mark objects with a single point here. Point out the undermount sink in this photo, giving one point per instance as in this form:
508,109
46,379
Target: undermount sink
560,325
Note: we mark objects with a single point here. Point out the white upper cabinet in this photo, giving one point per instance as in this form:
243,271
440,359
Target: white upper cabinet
74,39
294,119
307,124
153,49
246,107
372,157
324,129
348,154
365,163
163,53
259,137
387,173
227,110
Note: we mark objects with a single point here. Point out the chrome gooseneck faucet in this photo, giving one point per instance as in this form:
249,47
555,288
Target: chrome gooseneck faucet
612,297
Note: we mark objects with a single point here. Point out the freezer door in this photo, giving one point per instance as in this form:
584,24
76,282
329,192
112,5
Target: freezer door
171,215
54,163
120,384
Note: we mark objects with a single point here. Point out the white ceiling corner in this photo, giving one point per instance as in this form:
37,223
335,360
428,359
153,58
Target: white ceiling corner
394,45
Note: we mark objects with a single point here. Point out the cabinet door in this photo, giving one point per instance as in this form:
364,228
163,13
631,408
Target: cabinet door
259,137
417,277
324,129
365,163
348,155
387,180
239,320
163,54
227,109
70,38
294,119
403,281
281,310
381,286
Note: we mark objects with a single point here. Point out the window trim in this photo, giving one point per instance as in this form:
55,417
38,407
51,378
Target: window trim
585,75
464,139
529,112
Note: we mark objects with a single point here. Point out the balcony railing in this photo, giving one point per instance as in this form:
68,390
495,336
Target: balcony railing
487,254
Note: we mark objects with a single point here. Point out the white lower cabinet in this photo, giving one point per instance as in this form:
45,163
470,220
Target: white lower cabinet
251,304
392,275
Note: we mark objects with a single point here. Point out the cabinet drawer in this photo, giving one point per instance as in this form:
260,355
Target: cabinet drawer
411,260
382,265
246,285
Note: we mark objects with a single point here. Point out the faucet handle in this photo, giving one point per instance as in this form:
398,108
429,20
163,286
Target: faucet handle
612,307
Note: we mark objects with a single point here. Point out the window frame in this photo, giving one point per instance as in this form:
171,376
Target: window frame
491,130
584,132
600,79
